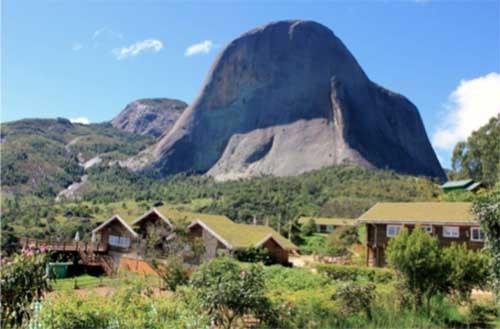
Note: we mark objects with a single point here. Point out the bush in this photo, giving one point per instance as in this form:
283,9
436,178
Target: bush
129,308
174,273
228,291
23,281
417,257
309,228
467,269
282,278
355,273
254,255
355,298
484,313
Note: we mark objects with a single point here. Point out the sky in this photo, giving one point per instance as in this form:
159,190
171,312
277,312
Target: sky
85,60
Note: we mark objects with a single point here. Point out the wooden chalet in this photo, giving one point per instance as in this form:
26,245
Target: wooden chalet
221,236
450,222
327,224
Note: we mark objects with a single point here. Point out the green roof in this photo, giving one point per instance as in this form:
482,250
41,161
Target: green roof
328,221
237,235
420,212
457,183
244,235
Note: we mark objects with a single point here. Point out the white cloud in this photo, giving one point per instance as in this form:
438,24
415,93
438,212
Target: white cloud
469,107
106,32
135,49
76,46
82,120
203,47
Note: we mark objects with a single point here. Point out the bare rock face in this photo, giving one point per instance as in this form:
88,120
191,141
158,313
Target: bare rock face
153,117
287,98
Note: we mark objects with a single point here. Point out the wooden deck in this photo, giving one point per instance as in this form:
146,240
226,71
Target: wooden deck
91,253
69,245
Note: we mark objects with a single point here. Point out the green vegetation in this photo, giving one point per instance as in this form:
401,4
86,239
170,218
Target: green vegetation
23,282
479,157
487,210
40,157
455,269
228,292
278,200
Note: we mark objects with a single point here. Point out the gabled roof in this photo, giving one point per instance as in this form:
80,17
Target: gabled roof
240,236
457,183
420,213
110,220
328,221
152,211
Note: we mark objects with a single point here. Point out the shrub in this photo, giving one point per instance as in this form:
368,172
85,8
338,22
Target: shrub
354,273
254,255
487,211
174,273
355,298
416,256
23,281
228,292
467,269
481,314
282,278
309,228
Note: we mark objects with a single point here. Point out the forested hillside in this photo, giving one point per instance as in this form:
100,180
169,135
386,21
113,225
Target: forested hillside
336,191
40,157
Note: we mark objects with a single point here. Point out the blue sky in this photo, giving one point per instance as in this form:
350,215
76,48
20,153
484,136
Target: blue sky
89,59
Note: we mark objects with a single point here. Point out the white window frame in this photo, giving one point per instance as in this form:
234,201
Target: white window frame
119,241
448,229
388,229
472,229
428,228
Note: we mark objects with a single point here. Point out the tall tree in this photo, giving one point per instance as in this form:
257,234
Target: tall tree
479,157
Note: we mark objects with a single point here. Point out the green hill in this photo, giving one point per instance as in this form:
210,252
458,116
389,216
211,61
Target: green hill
40,157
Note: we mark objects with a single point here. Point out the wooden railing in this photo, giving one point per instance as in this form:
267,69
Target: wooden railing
90,252
68,245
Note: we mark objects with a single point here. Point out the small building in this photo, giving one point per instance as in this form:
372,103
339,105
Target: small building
116,234
221,236
466,185
327,224
140,237
449,221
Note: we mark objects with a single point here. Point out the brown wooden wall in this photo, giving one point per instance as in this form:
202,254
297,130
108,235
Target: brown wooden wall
279,254
377,240
116,228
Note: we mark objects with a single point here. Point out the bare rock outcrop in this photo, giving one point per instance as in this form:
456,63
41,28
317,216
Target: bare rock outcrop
154,116
286,98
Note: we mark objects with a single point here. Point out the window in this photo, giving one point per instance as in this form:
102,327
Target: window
119,241
329,228
476,234
451,232
427,229
393,230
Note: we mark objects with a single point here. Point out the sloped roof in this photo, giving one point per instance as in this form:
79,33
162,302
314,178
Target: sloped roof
328,221
420,212
474,186
112,219
457,183
239,236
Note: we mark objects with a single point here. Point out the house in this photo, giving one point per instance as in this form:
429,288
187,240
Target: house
326,224
461,185
132,236
221,236
448,221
